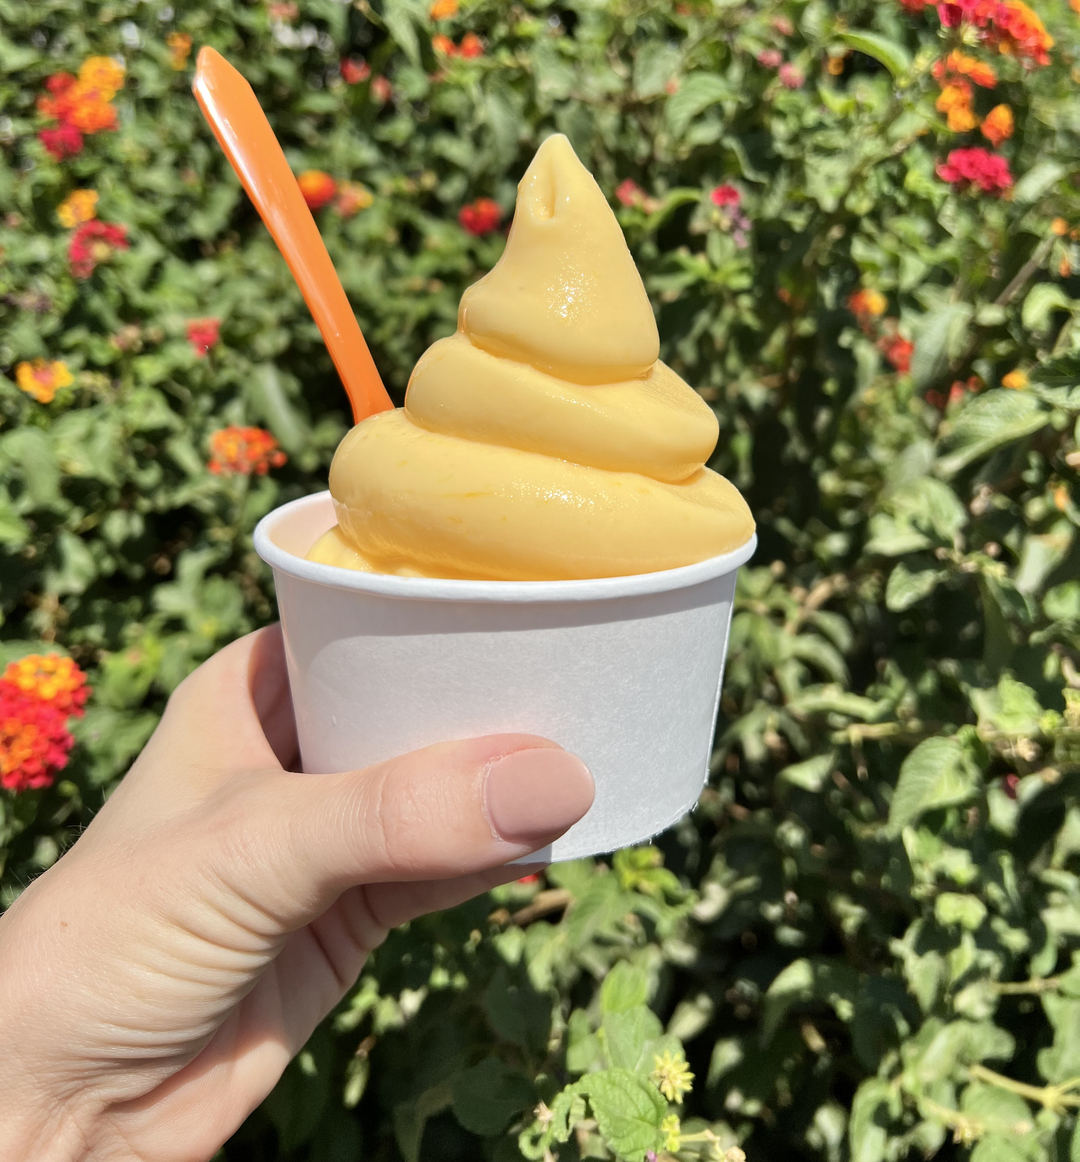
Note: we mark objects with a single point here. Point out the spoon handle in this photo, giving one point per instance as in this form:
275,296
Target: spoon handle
243,132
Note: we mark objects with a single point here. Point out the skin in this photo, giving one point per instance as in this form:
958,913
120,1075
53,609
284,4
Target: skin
155,982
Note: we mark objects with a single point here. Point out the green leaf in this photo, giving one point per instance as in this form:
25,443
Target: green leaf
996,418
627,1109
697,92
1042,300
488,1095
805,980
871,1108
811,774
938,333
893,55
628,1036
959,908
1036,181
905,589
411,1117
402,18
937,773
625,987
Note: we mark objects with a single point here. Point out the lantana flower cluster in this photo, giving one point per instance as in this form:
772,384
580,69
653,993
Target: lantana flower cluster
244,451
868,306
320,189
38,695
41,379
471,46
81,105
480,217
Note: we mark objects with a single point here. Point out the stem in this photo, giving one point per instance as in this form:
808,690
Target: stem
1055,1098
1023,988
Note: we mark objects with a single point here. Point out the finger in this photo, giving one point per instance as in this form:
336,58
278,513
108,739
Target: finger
294,843
234,711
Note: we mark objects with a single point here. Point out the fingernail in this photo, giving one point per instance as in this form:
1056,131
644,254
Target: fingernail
536,794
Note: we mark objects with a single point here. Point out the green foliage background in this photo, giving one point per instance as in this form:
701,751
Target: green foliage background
866,937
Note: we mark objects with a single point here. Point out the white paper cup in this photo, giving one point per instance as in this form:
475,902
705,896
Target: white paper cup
624,672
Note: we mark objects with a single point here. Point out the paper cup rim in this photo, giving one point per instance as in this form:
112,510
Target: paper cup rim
455,589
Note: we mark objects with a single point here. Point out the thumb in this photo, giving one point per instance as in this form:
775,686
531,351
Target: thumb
443,812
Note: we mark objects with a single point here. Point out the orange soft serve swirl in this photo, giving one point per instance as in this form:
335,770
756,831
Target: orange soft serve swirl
544,440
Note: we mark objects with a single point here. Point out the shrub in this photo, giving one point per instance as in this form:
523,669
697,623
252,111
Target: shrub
858,223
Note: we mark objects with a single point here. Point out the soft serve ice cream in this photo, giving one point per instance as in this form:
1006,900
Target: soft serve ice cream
544,440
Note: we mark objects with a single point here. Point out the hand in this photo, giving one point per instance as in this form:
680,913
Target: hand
155,982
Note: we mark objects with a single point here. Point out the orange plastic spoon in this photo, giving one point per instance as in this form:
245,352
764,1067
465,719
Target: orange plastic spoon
244,133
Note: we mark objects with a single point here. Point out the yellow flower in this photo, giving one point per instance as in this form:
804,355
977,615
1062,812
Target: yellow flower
42,379
78,207
673,1130
103,74
1017,380
672,1075
179,50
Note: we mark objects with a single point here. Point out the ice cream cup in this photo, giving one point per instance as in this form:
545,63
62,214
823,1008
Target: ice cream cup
623,671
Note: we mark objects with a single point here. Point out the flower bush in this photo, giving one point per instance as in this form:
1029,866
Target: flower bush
864,943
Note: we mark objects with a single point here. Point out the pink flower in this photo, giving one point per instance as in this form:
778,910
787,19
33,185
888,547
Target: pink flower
770,57
976,166
725,196
92,243
630,193
63,141
791,77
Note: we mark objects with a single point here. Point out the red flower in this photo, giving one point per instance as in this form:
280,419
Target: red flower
355,72
914,7
237,451
725,196
976,166
897,351
471,46
481,216
93,243
203,334
1009,785
532,879
34,740
64,141
317,187
770,58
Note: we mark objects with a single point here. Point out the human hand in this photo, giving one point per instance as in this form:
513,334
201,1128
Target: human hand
157,979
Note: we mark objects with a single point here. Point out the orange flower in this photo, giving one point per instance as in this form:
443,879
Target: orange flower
955,101
998,125
1016,380
471,46
317,187
179,50
867,304
52,679
103,74
240,451
80,104
1059,226
443,9
897,350
78,207
963,65
352,197
1018,31
42,379
443,45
